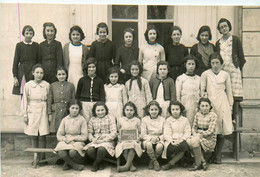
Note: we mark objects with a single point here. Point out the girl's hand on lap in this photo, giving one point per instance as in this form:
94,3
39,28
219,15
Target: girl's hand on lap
94,140
16,82
69,139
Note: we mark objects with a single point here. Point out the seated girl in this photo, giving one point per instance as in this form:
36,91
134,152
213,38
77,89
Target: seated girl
72,135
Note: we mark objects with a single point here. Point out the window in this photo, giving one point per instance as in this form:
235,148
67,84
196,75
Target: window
138,17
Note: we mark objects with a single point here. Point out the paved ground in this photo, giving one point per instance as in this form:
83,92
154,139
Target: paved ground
21,167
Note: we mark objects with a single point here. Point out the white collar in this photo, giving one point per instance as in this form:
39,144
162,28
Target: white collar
30,43
111,85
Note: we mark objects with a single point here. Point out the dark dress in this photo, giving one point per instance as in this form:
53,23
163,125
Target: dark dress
201,66
50,56
25,57
124,56
59,96
105,53
175,57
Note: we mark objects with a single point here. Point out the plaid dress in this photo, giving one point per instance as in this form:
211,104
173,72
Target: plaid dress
206,125
102,129
229,67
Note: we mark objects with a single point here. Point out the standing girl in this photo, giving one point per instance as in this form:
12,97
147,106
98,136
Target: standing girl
90,88
204,133
61,92
216,84
50,52
231,51
151,53
152,133
175,53
137,88
35,108
162,87
115,93
203,49
75,55
126,53
129,121
188,87
176,131
72,134
102,132
25,57
103,50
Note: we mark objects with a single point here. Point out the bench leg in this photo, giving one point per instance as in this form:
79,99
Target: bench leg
35,158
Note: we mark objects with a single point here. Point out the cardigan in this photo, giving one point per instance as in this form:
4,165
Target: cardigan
168,88
84,92
66,59
201,66
238,57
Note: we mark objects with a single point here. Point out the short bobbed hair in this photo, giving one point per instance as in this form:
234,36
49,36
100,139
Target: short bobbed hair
204,100
175,28
102,25
136,63
29,28
38,65
59,68
162,63
112,70
151,27
203,29
191,57
224,20
131,104
129,30
215,55
177,103
100,103
78,29
73,102
155,103
49,24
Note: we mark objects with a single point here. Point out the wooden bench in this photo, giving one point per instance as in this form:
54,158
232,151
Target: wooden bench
35,152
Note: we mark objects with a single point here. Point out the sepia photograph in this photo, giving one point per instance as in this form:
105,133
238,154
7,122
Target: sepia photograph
138,89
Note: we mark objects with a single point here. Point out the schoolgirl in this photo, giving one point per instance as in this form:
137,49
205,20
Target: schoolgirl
163,87
101,133
115,93
72,134
126,53
188,87
90,88
203,49
75,55
175,53
104,50
216,85
25,57
61,92
151,53
152,133
35,109
50,52
137,88
129,121
176,131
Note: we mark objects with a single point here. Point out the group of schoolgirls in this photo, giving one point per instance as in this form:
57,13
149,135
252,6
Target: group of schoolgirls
46,101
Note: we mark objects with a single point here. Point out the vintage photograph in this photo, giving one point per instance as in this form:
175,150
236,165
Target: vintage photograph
115,90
